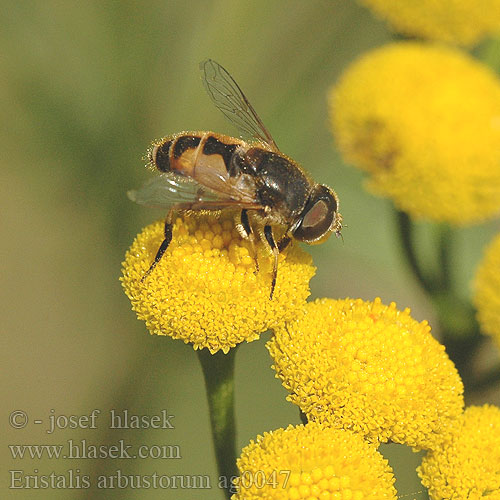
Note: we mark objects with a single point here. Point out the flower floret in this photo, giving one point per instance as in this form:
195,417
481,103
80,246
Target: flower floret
313,462
206,289
468,467
462,22
423,121
370,368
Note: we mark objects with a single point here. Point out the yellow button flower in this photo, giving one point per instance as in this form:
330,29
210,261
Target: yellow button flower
205,290
468,468
370,368
456,21
487,294
313,462
424,121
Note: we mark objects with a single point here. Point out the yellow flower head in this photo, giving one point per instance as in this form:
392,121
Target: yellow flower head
467,468
370,368
311,462
456,21
424,121
205,290
487,295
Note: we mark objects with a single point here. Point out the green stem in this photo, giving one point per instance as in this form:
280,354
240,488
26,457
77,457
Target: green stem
218,370
440,280
405,231
445,237
487,380
455,318
461,351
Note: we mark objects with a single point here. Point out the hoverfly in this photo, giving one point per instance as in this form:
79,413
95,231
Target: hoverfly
209,171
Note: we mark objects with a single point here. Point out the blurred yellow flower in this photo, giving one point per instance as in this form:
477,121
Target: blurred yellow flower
424,121
370,368
487,291
468,468
205,290
456,21
312,462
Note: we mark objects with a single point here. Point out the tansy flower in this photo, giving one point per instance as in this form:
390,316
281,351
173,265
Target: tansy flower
455,21
369,368
424,121
312,462
467,468
487,294
206,290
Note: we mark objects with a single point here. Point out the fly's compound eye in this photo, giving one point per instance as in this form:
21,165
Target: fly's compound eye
319,217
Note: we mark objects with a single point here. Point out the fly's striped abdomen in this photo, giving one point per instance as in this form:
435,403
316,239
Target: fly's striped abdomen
172,152
191,153
216,149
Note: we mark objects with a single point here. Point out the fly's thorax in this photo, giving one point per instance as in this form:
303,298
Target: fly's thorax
246,160
281,185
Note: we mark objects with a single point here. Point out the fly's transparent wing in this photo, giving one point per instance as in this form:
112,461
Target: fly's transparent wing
229,98
167,190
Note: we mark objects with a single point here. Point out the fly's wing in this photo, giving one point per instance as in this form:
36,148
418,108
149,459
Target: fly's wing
229,98
167,190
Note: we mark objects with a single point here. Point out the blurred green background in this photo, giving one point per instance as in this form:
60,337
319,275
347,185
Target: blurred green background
86,86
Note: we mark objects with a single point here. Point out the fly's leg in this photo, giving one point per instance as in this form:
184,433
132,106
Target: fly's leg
245,229
164,244
178,207
283,243
198,206
269,239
